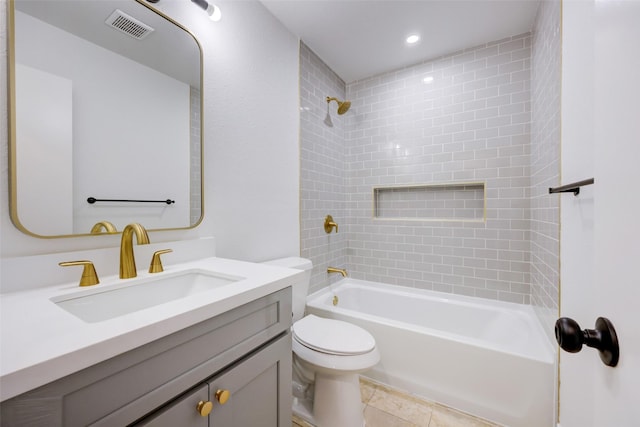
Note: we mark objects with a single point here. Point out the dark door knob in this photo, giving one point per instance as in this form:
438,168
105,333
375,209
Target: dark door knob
571,338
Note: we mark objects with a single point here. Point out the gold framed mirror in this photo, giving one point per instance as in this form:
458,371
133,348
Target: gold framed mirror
105,118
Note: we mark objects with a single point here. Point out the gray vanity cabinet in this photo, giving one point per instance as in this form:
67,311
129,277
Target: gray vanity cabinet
182,412
255,392
245,351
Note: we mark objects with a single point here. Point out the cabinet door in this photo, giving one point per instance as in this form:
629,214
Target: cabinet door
184,412
259,390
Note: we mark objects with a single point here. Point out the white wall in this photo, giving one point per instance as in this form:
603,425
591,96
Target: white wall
253,148
251,167
600,251
577,218
616,205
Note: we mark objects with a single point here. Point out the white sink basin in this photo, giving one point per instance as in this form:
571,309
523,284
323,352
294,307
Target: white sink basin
103,304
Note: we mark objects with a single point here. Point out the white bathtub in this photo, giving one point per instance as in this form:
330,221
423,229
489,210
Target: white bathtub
487,358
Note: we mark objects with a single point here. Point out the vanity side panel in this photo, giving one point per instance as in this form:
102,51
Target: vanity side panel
130,385
34,412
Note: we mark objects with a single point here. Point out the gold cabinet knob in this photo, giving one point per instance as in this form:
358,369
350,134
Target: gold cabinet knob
222,396
204,408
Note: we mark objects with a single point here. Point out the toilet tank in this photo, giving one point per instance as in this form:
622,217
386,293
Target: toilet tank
300,288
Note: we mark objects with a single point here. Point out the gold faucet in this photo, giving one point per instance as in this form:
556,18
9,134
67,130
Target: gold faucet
337,270
108,227
127,260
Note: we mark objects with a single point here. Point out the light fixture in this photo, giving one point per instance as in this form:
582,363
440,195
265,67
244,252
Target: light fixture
413,39
428,79
212,10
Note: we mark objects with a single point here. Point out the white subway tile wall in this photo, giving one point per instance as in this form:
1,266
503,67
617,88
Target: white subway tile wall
459,118
545,159
323,168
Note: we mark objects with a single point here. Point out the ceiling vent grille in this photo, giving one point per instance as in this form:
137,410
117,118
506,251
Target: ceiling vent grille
128,25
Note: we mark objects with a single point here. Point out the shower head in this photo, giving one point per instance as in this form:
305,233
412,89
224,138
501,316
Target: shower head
343,106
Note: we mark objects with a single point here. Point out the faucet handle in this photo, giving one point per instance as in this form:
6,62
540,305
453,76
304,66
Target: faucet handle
156,263
330,224
89,276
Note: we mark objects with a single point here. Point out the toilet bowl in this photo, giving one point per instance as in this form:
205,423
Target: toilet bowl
328,355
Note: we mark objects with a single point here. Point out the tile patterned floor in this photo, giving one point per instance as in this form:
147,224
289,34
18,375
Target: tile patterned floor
388,407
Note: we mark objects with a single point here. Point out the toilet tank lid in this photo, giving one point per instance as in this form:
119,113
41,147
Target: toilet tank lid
292,262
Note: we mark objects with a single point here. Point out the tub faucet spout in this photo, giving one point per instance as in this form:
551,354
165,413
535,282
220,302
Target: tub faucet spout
337,270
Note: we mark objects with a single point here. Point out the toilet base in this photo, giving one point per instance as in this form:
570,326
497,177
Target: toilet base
337,401
303,409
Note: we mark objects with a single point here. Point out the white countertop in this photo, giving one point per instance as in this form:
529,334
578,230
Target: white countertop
41,342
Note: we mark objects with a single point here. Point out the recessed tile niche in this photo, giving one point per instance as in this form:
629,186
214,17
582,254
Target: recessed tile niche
431,202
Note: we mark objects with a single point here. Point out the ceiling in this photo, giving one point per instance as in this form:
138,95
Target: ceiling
362,38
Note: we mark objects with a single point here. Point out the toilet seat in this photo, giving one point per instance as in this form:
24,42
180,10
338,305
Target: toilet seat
333,364
333,337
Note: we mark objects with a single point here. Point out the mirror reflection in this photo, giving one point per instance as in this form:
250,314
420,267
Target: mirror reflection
106,103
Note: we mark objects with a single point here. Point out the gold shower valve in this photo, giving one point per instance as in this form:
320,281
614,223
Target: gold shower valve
329,224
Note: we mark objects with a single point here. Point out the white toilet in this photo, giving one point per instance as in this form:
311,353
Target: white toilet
328,354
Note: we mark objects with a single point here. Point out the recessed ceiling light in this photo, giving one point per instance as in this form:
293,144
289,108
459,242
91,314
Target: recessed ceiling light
413,39
428,79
